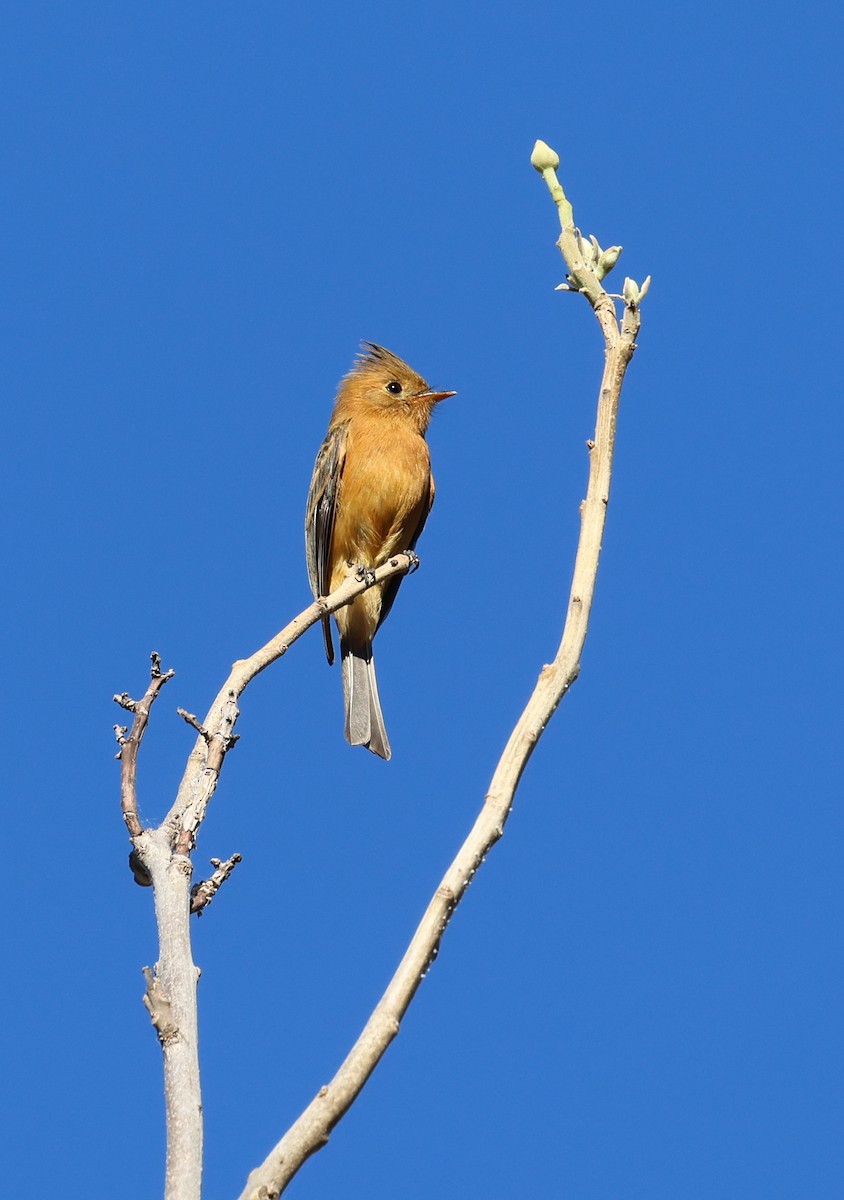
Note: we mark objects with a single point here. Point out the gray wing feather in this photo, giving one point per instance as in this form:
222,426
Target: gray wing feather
320,517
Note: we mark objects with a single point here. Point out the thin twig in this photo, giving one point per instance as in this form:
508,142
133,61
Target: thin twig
130,743
203,893
311,1130
191,720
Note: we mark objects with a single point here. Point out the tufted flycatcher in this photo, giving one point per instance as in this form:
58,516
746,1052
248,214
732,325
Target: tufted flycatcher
370,496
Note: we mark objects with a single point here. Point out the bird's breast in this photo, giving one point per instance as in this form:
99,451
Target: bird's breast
384,491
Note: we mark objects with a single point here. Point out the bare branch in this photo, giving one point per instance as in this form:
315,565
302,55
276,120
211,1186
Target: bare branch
203,893
191,720
206,759
312,1129
129,745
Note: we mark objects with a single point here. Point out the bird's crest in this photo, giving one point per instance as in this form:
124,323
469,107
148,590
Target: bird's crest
373,355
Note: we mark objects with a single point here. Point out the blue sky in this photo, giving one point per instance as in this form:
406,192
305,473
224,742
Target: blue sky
208,208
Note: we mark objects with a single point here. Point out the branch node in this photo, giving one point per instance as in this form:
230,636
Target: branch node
126,701
139,870
181,857
158,1007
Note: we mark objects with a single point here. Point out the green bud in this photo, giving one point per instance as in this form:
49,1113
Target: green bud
607,261
588,249
544,158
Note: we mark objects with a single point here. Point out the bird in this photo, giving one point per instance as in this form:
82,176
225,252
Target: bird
369,498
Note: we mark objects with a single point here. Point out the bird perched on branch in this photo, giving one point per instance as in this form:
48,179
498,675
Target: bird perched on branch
370,496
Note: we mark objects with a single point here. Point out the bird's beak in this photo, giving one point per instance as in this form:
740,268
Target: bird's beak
435,397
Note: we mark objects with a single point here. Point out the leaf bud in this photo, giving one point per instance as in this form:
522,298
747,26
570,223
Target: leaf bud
544,158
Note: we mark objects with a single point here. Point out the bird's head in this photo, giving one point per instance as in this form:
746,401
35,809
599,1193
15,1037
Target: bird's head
382,379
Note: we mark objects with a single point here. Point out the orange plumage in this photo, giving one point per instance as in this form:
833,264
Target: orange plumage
370,496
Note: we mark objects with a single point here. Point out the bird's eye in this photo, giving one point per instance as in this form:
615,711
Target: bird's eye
394,387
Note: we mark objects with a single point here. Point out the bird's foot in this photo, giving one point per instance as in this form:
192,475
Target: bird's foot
413,561
365,575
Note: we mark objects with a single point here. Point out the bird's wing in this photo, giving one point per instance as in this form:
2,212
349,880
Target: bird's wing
320,516
392,585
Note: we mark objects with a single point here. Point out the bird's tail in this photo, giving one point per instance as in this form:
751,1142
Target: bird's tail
364,719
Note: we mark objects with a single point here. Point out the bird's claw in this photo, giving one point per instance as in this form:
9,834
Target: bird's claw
365,575
412,561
